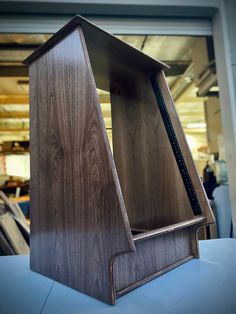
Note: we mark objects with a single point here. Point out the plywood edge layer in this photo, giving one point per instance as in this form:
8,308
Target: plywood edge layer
167,229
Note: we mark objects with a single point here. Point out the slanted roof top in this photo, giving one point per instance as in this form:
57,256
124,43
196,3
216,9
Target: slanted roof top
105,51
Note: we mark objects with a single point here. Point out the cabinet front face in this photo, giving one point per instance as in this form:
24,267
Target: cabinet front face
152,258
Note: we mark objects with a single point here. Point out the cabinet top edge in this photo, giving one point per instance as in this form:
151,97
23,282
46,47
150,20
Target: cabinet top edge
90,30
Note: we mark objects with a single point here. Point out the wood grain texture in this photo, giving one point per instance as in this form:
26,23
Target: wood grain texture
167,229
24,229
18,216
5,246
13,234
78,217
152,256
80,231
146,279
198,187
153,189
14,208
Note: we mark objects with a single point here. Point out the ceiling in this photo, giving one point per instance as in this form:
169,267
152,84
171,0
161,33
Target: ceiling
174,50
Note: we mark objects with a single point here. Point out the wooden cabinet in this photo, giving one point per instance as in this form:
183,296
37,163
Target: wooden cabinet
106,223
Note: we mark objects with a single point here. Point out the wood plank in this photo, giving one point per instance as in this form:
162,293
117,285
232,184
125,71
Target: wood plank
14,114
24,229
14,208
5,246
14,99
78,216
13,234
13,130
167,229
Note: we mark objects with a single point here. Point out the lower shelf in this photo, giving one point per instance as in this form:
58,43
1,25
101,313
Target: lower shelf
157,251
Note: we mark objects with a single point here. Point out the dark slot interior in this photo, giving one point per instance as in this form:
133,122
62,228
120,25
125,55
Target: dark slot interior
138,231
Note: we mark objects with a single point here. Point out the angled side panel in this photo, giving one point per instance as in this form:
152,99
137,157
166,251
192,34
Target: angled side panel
195,180
153,189
78,217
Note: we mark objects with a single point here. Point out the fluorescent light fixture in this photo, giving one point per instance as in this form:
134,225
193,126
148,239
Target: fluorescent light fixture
214,89
188,79
196,125
18,165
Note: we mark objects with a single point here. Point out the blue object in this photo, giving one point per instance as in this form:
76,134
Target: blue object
223,211
25,206
221,172
203,286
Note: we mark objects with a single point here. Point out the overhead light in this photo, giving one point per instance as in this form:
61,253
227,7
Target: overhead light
214,89
188,79
196,125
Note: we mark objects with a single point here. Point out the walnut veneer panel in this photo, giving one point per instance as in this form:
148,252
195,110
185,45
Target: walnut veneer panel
151,183
152,256
78,217
80,230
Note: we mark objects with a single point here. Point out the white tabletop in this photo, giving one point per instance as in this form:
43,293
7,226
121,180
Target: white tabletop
204,286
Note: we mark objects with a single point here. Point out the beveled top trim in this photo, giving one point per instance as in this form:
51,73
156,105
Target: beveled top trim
89,29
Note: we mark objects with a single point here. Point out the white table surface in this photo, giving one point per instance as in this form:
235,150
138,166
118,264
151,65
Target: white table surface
204,286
